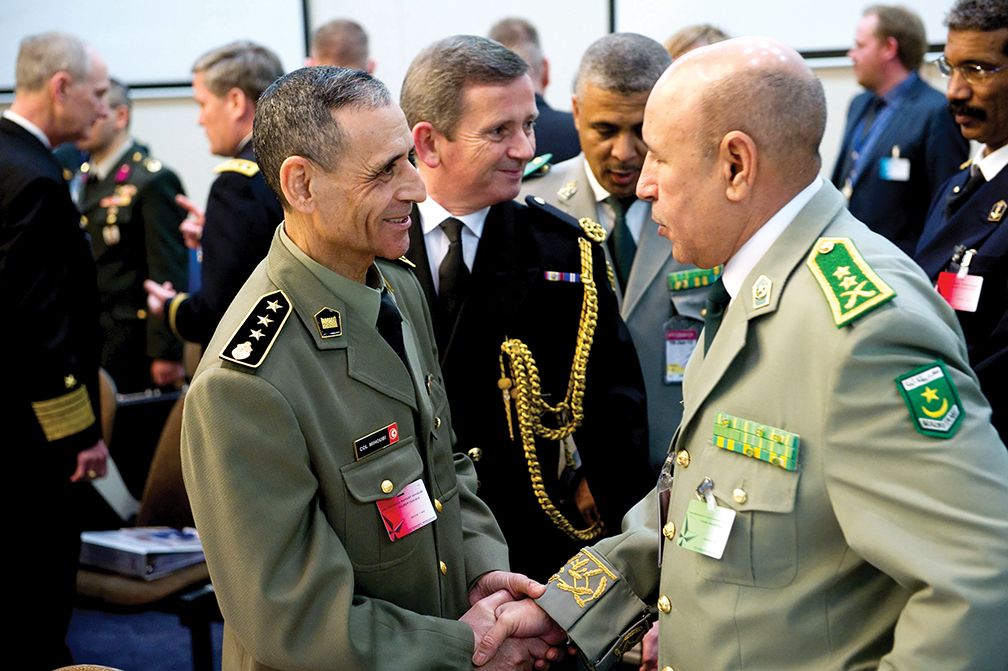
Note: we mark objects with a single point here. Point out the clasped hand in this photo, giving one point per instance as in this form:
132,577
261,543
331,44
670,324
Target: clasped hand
510,630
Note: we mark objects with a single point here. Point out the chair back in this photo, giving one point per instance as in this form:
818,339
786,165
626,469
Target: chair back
107,402
164,501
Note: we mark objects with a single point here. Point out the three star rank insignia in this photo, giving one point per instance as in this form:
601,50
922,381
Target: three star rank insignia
932,399
850,285
257,333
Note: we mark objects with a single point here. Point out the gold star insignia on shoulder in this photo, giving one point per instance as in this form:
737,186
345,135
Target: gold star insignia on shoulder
249,345
273,305
69,381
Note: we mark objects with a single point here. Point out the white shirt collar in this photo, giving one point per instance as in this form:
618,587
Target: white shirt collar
599,191
993,163
28,126
432,214
105,167
746,258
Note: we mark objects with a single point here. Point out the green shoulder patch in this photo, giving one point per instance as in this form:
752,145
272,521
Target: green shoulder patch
537,167
244,166
932,399
851,287
258,331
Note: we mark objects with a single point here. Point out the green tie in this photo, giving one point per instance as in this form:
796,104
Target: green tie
621,243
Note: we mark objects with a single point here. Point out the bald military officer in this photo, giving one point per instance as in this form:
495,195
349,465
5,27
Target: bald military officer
839,494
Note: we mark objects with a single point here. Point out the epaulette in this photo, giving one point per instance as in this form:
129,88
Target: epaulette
252,340
406,262
966,164
590,229
849,284
242,165
537,167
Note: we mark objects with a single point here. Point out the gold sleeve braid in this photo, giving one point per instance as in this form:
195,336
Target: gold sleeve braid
524,388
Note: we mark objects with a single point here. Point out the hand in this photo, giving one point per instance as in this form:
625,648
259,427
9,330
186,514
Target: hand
515,584
158,295
165,372
191,226
523,620
586,503
91,463
649,654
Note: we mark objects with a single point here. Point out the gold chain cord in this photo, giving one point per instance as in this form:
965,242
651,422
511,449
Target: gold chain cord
524,386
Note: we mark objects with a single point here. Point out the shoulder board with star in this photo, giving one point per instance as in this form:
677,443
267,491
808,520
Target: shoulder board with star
537,167
588,228
849,284
242,165
252,340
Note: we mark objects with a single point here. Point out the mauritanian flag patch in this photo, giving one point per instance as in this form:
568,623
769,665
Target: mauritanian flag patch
932,399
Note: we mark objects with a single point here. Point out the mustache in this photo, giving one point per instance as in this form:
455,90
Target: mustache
962,109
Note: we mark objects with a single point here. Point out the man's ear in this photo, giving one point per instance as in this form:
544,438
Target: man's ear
238,103
738,161
428,143
296,173
545,74
58,85
574,111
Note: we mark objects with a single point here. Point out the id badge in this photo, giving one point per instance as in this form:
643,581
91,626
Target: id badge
681,335
706,528
895,169
407,511
961,292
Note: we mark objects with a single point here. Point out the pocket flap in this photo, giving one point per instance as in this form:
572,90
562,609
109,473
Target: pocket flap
397,465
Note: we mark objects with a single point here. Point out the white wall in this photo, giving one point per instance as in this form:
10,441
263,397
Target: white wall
166,119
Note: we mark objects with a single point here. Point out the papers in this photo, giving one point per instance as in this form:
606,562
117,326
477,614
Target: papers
142,552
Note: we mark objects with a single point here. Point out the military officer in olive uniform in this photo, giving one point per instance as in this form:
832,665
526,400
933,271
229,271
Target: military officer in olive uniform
128,202
839,493
339,529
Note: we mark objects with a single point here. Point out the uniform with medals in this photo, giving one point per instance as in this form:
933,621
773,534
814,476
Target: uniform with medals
964,251
131,215
537,354
339,528
839,493
241,216
662,303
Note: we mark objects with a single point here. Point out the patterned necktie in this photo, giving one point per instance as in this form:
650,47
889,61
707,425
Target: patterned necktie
957,199
453,274
389,325
621,244
717,302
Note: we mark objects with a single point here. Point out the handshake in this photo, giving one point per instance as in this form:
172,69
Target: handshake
511,631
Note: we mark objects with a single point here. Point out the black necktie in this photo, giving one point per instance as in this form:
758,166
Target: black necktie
453,274
957,199
389,325
621,243
717,302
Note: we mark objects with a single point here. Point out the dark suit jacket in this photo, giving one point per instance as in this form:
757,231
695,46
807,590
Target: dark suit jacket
509,298
133,221
927,135
47,278
241,215
986,330
555,133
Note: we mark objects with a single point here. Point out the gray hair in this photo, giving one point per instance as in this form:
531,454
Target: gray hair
244,65
624,63
436,79
42,56
783,112
981,15
118,94
295,117
521,37
341,42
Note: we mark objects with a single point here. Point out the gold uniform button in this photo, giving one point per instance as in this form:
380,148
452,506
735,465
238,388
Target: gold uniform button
668,668
683,458
141,314
437,505
740,495
669,530
386,486
437,422
475,453
444,568
664,605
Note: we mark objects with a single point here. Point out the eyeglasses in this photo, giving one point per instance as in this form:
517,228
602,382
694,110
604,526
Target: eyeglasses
972,73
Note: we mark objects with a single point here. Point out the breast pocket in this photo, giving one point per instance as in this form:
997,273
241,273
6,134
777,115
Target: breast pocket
762,548
378,476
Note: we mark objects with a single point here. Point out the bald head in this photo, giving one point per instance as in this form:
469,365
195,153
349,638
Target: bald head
732,131
757,86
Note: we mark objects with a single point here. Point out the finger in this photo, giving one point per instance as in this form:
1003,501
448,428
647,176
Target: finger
188,205
492,640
